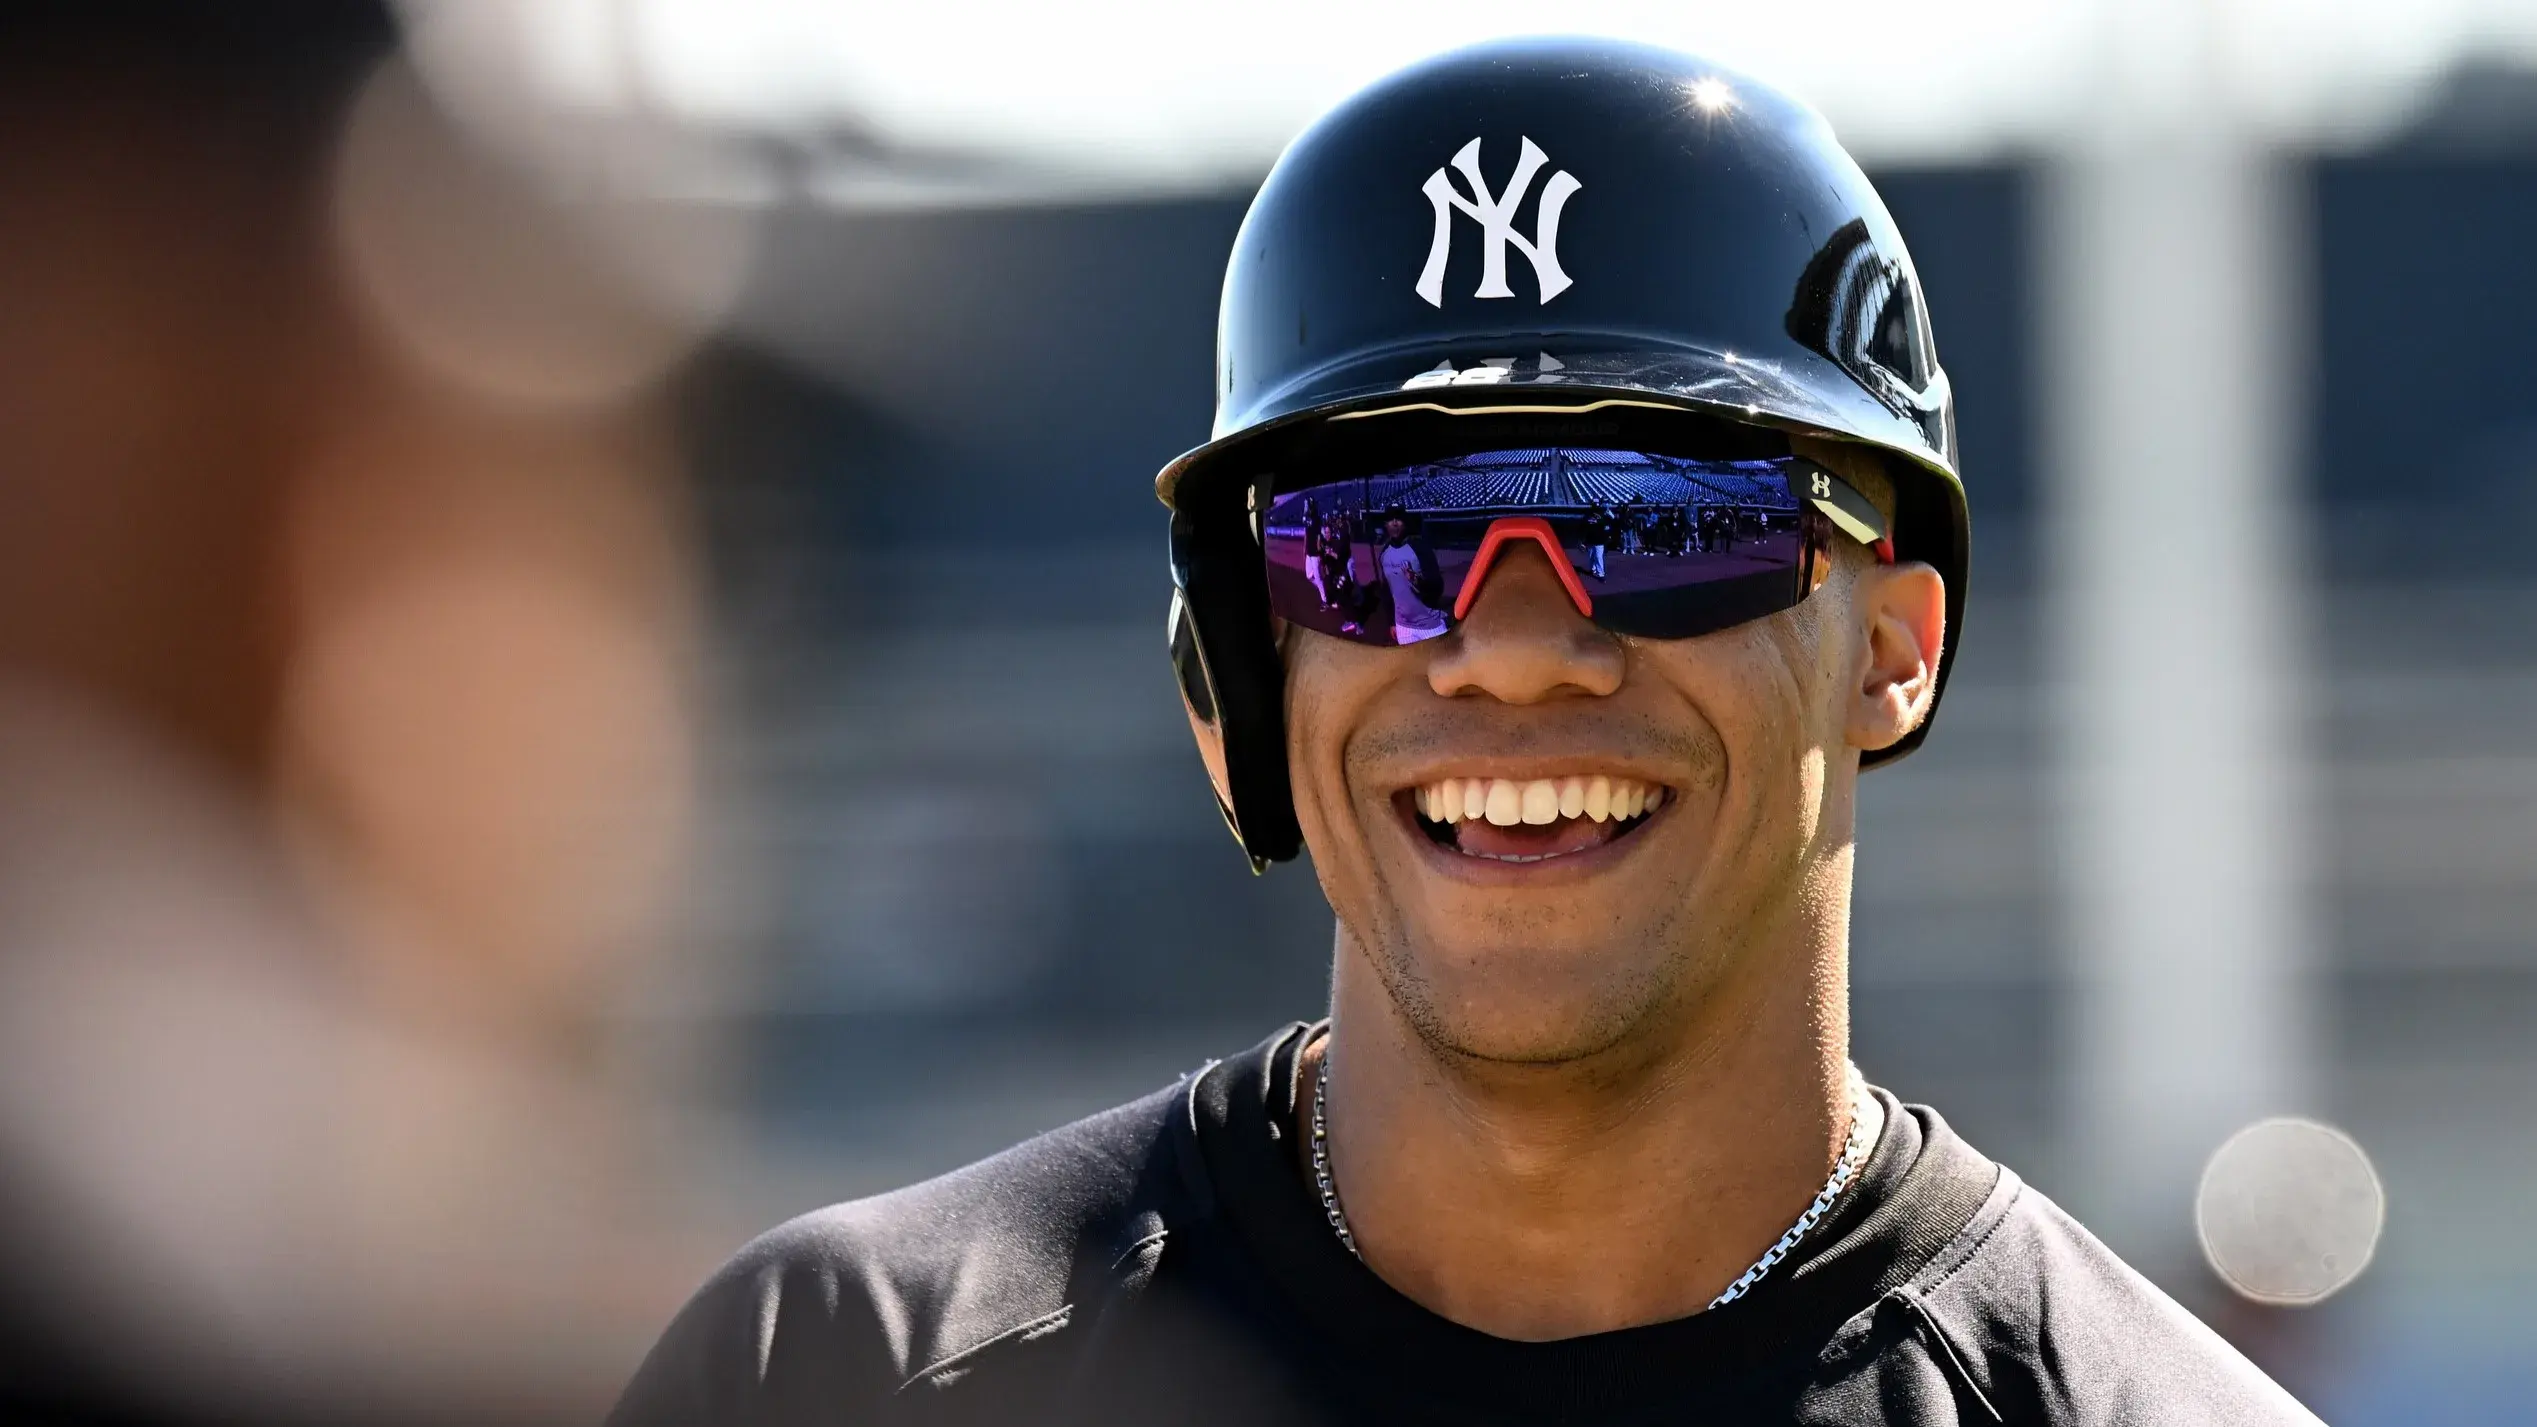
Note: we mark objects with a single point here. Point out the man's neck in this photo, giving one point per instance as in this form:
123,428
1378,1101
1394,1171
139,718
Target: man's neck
1538,1202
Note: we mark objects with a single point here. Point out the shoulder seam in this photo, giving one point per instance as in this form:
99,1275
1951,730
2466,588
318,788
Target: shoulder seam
2005,1193
1060,1317
1913,1293
1039,1327
1186,1155
1132,1250
1952,1361
1188,1088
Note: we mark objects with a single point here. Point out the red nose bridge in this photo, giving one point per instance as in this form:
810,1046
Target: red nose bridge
1520,527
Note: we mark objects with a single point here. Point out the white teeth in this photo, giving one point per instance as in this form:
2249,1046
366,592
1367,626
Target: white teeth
1537,801
1541,801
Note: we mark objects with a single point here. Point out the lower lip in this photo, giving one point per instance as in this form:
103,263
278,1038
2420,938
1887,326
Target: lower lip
1548,871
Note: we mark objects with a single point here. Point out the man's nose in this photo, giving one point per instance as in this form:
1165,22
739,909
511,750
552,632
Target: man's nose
1523,640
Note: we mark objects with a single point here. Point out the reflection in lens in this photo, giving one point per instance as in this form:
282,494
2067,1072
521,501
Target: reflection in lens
1666,546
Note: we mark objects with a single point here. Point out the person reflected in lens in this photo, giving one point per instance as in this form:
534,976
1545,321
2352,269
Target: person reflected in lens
1412,580
1339,571
1316,537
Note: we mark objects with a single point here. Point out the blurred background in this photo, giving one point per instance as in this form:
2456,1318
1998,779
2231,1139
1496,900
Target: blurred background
581,643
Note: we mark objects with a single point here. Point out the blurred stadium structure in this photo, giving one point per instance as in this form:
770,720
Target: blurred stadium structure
582,621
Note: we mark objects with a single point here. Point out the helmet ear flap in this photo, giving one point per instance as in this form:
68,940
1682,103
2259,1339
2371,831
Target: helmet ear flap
1231,678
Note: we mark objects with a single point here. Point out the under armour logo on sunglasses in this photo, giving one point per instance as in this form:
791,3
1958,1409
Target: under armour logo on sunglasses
1496,216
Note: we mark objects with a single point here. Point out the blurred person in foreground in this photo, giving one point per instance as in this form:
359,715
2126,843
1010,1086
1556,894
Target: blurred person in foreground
1580,1140
341,754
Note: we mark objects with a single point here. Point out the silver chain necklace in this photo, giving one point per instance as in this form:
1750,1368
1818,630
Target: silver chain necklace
1867,1121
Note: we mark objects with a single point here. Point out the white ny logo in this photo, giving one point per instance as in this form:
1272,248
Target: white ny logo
1497,224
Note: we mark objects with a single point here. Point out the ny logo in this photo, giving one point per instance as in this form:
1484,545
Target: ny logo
1496,216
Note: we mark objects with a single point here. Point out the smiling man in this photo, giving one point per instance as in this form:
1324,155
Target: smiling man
1580,1140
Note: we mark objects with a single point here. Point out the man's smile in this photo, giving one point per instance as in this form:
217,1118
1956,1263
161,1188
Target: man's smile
1525,820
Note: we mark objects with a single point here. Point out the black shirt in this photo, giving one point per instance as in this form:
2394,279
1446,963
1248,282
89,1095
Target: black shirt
1167,1262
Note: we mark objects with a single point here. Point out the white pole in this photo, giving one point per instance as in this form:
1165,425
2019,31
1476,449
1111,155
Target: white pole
2171,267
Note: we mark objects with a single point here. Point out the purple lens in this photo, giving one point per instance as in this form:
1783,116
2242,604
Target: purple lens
1663,546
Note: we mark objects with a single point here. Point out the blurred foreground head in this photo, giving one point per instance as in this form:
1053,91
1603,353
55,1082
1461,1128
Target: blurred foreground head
344,736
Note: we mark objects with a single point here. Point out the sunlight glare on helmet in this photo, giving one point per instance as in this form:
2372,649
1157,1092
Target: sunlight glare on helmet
1711,95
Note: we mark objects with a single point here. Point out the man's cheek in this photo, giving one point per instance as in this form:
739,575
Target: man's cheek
1317,764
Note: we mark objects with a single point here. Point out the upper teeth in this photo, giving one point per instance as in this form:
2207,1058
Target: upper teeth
1507,801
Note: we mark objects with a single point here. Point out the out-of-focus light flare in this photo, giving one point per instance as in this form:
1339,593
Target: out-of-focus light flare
1712,95
2289,1211
347,741
543,288
488,707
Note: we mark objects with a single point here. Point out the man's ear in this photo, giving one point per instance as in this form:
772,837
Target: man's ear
1902,614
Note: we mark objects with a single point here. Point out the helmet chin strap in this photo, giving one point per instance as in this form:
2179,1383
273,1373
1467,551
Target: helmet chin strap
1521,527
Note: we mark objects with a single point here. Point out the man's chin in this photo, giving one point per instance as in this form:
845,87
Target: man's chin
1528,1004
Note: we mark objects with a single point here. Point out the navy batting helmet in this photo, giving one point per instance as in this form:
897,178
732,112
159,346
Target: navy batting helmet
1542,230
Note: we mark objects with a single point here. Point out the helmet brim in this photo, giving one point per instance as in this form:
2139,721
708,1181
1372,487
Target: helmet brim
1721,384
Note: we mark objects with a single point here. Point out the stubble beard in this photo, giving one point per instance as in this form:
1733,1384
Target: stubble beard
1631,990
